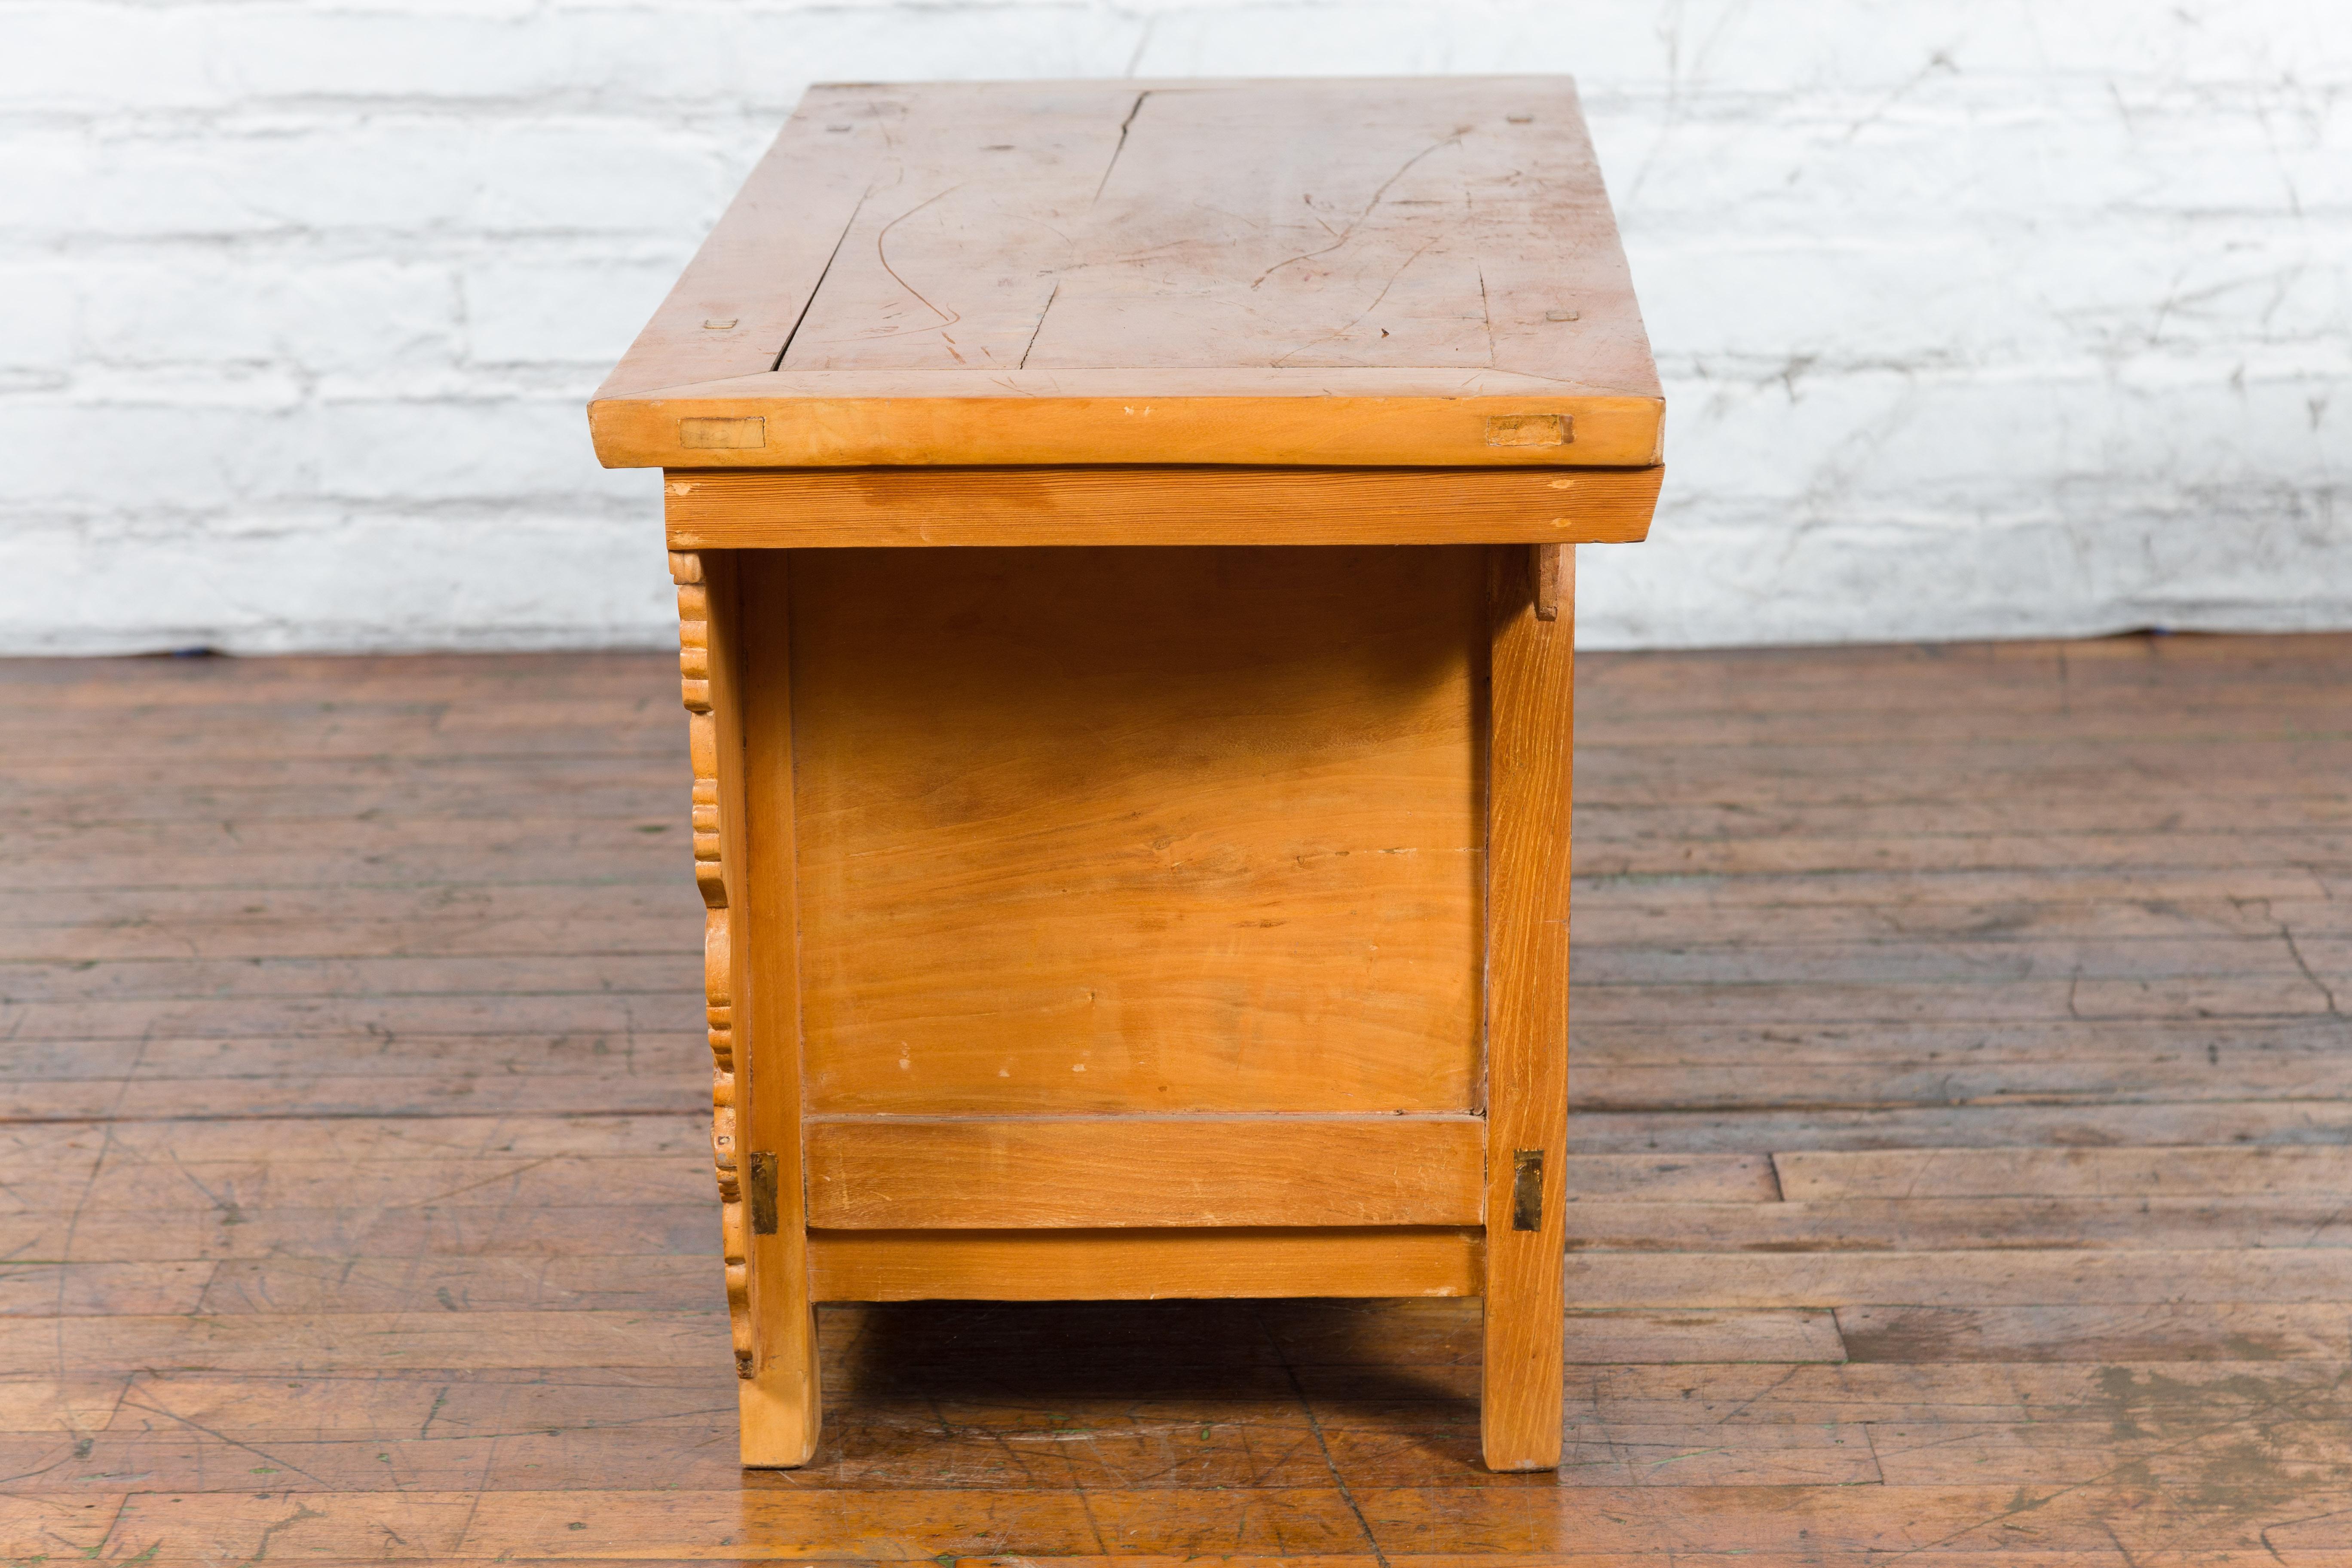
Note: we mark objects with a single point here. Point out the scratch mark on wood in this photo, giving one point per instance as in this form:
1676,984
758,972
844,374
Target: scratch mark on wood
283,1464
1486,309
883,256
1323,1446
1040,327
1351,326
1403,168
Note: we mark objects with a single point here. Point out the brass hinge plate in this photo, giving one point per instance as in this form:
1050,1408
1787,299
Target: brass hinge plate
1526,1189
762,1195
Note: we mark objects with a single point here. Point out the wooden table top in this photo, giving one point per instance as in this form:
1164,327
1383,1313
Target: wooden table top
1418,271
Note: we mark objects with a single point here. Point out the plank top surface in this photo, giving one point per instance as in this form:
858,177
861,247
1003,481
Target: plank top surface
1419,271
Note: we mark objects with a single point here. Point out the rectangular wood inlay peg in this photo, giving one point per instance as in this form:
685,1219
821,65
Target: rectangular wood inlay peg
1529,430
763,1195
1526,1189
732,435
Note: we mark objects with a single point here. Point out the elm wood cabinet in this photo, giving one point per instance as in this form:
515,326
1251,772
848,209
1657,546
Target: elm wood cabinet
1123,536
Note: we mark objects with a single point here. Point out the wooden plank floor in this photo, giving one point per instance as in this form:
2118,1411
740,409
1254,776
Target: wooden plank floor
1964,1089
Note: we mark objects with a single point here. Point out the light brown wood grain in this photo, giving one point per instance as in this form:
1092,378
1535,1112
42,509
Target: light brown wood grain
1526,1008
740,296
1933,1222
1054,272
973,1172
781,1404
1798,1525
2157,1332
1554,569
2012,1277
708,665
36,1526
1099,831
2119,1175
328,1342
2042,1453
1142,1265
923,1523
1360,418
955,257
1435,225
773,508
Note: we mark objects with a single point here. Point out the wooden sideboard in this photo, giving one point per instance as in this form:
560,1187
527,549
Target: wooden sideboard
1124,544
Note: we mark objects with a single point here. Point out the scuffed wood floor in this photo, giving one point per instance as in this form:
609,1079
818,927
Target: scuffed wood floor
1963,1084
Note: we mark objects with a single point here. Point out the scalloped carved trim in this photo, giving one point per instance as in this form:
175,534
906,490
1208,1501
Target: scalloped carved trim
717,949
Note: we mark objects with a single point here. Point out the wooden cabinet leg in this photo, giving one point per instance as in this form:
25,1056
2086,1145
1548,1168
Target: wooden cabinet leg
736,698
1531,727
779,1404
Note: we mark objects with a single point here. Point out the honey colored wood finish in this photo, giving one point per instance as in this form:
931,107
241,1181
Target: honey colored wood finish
1132,1265
1527,1009
1091,832
769,508
740,744
355,1147
782,1402
708,665
1237,792
1275,417
968,1173
1124,272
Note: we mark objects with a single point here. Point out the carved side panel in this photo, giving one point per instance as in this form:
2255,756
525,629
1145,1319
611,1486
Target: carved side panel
717,948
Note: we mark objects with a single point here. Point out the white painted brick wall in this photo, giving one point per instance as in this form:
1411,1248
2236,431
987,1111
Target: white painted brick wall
2000,317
